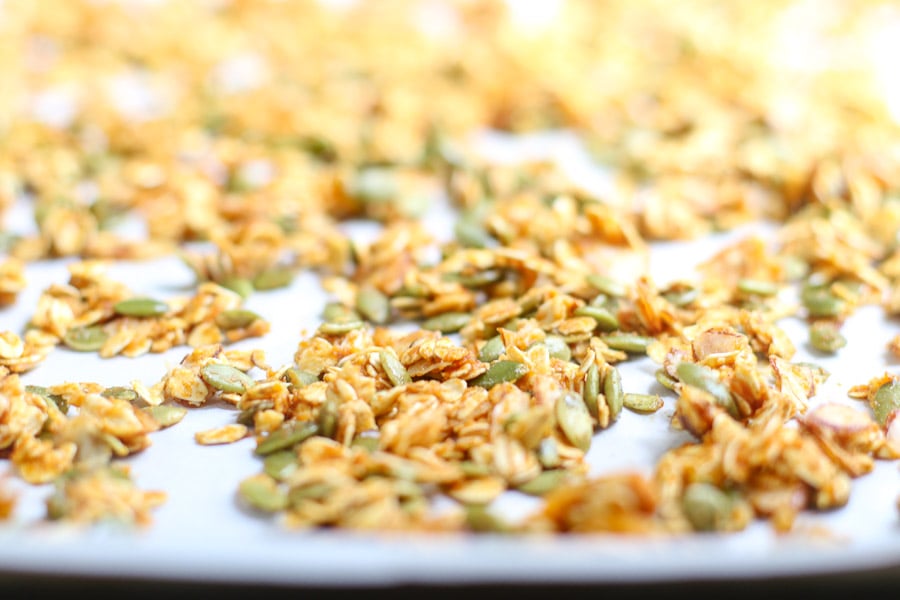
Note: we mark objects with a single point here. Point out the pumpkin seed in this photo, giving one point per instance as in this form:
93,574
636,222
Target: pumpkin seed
558,347
706,506
280,464
492,349
393,368
545,482
480,279
627,342
327,418
236,318
606,321
613,392
886,400
56,399
299,378
373,184
368,440
757,287
825,336
309,492
820,302
501,371
248,415
665,380
681,296
335,312
141,307
471,233
85,339
262,493
548,453
239,285
590,393
575,420
287,436
331,328
642,403
373,305
473,469
480,519
226,378
607,285
120,393
165,414
273,279
707,380
449,322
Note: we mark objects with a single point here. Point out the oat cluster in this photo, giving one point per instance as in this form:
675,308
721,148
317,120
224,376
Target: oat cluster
242,135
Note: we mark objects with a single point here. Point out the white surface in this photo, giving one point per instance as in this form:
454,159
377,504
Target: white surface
200,533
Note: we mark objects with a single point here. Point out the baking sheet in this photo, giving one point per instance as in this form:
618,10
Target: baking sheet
201,534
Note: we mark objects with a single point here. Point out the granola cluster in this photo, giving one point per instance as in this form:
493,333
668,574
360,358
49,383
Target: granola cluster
476,364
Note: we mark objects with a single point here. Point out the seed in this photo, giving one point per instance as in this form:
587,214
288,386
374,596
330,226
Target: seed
473,469
606,321
548,453
820,302
591,391
558,347
613,392
327,418
642,403
335,312
393,368
449,322
545,482
825,336
682,295
226,378
575,420
141,307
471,233
373,184
56,399
665,380
273,279
262,493
120,393
280,464
707,380
480,279
492,349
311,491
368,440
756,287
299,378
248,415
340,328
236,318
500,372
373,305
166,415
886,400
287,436
85,339
606,285
627,342
479,519
239,285
706,506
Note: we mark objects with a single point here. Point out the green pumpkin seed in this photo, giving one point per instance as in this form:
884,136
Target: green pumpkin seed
262,493
613,392
85,339
480,519
665,380
120,393
590,393
627,342
43,392
707,380
574,419
335,312
471,233
166,415
681,296
449,322
756,287
299,378
886,400
492,349
236,318
310,492
239,285
287,436
273,279
607,285
478,280
545,482
558,347
372,185
247,416
548,453
794,268
280,464
373,305
393,368
226,378
821,303
368,440
141,307
340,328
642,403
606,321
327,418
706,506
501,371
825,336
